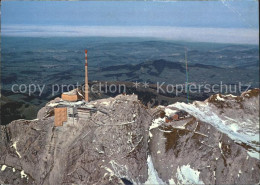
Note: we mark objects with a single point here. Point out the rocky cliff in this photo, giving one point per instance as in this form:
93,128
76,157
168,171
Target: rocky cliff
211,142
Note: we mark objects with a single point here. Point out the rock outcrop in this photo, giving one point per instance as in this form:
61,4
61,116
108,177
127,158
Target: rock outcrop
211,142
216,143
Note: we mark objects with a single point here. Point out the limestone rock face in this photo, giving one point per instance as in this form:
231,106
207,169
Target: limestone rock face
124,142
198,148
217,142
104,149
48,110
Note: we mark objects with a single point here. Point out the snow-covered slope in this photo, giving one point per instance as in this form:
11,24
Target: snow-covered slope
236,116
216,142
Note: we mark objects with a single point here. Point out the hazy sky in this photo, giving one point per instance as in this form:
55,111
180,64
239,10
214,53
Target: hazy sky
214,21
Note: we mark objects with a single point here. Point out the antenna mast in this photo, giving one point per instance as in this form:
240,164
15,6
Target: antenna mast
187,76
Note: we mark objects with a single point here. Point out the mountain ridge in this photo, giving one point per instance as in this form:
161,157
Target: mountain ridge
136,144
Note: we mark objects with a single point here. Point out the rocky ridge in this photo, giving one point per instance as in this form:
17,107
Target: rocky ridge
215,142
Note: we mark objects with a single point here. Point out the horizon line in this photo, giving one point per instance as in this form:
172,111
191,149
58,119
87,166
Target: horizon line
191,34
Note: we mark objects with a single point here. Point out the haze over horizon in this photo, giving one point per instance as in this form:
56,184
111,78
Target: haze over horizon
211,21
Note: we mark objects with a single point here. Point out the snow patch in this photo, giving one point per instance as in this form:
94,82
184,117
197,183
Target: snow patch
231,95
121,171
52,104
171,182
169,112
110,171
3,168
219,98
156,123
233,128
105,103
15,147
220,147
150,134
153,177
187,175
254,154
23,175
